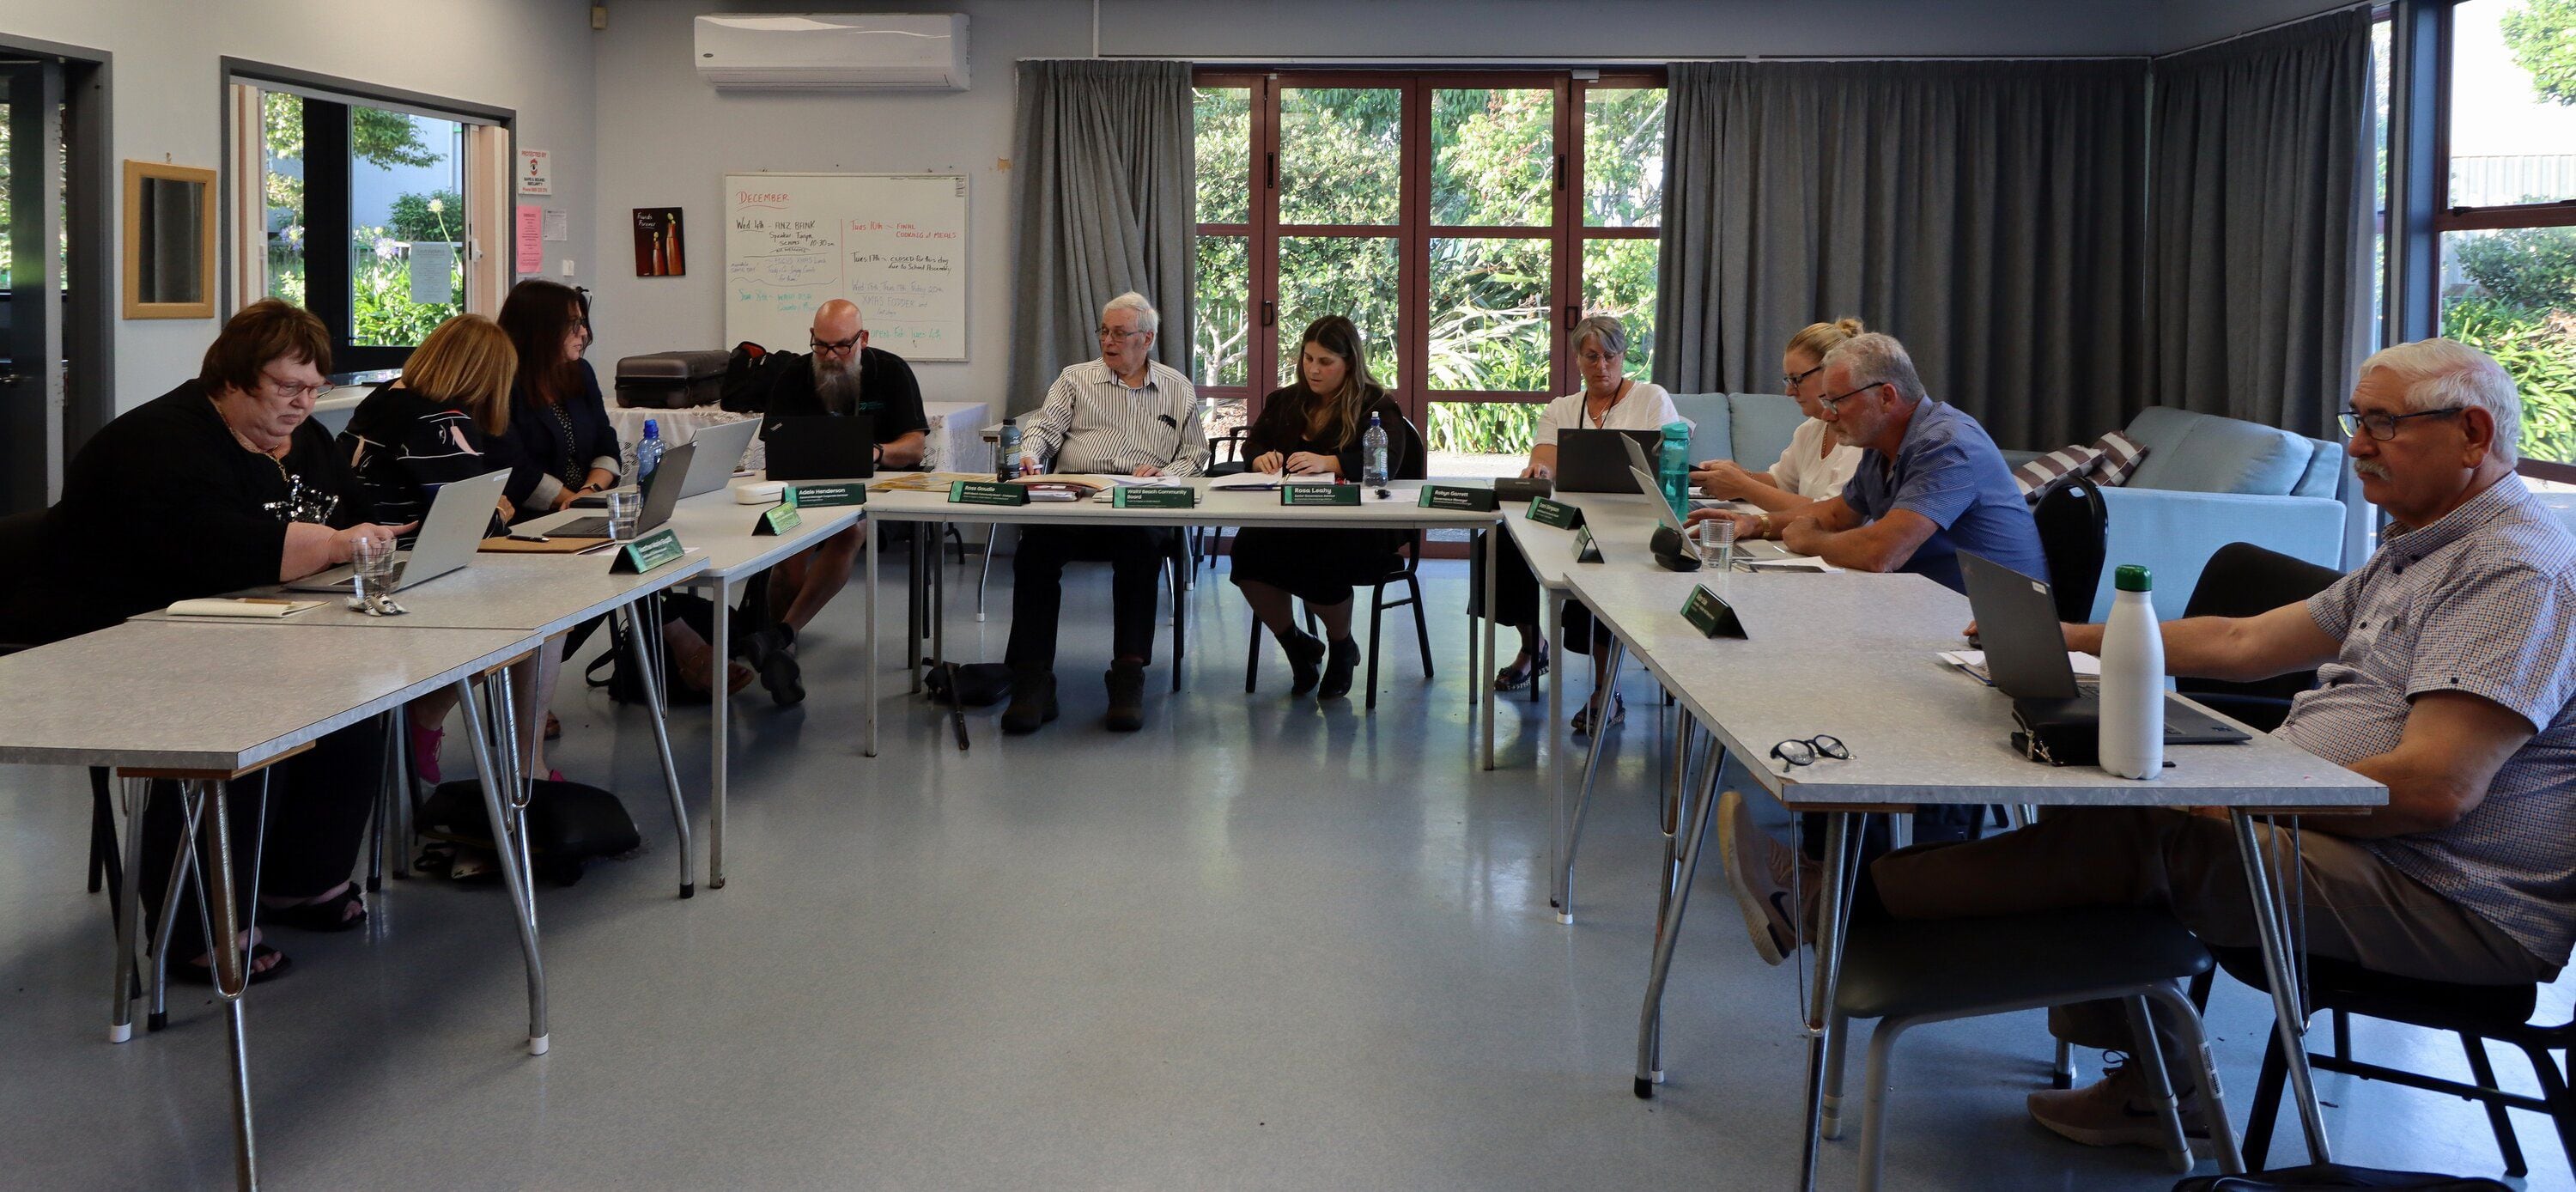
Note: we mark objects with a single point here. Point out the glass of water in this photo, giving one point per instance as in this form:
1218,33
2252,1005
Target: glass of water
371,560
625,505
1714,539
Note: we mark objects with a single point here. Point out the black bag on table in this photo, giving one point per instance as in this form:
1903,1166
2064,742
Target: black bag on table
749,372
568,824
2317,1177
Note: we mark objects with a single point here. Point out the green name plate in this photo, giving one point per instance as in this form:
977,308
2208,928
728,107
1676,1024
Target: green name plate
1554,513
826,496
1585,549
1710,614
986,492
776,520
1319,494
660,548
1152,498
1456,498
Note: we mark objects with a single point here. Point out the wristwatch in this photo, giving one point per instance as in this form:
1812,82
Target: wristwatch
1762,525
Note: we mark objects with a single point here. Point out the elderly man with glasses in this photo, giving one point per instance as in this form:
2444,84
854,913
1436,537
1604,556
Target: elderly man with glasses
1123,414
2445,667
843,376
1930,483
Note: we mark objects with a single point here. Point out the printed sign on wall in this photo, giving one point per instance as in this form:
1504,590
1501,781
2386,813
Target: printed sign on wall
536,172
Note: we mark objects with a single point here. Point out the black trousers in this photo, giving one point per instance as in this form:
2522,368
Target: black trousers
1135,554
318,803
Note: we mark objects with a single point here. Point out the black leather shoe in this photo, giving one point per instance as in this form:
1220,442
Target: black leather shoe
1126,696
1032,702
760,645
1344,658
780,673
1305,661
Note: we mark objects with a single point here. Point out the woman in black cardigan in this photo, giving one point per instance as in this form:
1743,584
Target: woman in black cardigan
221,484
557,416
1318,427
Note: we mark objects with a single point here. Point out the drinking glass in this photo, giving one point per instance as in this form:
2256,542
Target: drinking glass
625,505
371,560
1715,541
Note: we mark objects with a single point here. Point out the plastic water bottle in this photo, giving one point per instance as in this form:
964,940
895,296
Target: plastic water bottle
648,454
1673,467
2133,679
1006,462
1373,455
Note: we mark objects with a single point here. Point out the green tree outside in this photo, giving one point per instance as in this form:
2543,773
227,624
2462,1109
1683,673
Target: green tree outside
2520,305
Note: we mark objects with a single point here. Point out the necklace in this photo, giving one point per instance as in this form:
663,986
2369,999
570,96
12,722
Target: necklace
1615,398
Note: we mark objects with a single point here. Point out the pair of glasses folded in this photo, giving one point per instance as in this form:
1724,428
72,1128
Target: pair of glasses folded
1794,752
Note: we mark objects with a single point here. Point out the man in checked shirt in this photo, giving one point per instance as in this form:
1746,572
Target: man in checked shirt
1125,415
2445,667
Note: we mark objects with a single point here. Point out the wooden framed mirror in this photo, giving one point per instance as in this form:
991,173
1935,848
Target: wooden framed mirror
169,241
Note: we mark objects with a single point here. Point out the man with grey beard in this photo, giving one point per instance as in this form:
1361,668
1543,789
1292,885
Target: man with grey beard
842,376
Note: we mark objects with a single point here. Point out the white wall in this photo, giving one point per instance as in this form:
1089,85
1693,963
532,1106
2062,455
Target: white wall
533,56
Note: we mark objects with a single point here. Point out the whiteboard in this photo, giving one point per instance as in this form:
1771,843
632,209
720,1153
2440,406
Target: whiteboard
893,243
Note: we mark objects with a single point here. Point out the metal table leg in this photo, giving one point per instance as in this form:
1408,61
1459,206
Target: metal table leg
224,920
1483,678
1676,798
490,730
1841,866
644,628
871,556
2290,1018
1668,933
719,735
1583,798
1556,739
120,1019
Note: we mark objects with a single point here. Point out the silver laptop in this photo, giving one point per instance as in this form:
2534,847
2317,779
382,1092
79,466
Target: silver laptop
1745,548
660,494
447,539
719,452
2026,651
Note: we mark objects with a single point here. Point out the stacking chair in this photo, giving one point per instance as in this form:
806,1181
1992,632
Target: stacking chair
1912,972
2243,579
1409,574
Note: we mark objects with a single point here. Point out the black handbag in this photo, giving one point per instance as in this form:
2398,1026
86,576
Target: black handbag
2335,1175
979,684
569,823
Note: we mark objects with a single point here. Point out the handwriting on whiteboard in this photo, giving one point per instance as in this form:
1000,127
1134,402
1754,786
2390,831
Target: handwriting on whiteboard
894,245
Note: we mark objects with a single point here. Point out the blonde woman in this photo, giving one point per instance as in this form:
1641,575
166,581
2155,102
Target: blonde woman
1814,467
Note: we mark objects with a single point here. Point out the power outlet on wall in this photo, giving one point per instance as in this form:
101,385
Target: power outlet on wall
567,267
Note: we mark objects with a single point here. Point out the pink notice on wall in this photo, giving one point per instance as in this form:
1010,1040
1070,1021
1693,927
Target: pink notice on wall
531,239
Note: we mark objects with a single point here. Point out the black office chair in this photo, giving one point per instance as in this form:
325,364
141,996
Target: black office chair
2476,1013
2073,533
2241,580
1225,458
1408,574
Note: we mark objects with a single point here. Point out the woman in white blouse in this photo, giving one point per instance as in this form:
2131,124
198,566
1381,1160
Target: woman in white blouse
1814,467
1610,400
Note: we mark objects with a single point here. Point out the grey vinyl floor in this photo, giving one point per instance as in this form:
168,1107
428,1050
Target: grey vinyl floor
1257,945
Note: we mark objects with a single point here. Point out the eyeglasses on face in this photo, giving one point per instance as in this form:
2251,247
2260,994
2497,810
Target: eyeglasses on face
1795,752
2383,427
1793,380
296,390
1834,404
1108,332
836,347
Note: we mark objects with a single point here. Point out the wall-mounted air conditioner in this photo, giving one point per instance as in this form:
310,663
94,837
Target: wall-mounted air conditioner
825,51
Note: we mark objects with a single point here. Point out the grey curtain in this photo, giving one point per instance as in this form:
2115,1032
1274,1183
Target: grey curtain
1105,159
1988,214
2261,201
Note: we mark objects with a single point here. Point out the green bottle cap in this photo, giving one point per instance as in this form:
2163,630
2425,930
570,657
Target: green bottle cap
2133,577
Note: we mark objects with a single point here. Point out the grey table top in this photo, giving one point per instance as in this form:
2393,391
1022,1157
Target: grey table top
1851,655
226,696
536,595
1215,508
1621,524
719,528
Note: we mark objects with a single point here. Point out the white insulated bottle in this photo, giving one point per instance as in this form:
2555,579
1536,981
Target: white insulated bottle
2133,680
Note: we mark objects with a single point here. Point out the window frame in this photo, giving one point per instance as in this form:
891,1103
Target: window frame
1566,231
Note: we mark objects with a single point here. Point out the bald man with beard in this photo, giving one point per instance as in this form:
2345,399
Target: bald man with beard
843,375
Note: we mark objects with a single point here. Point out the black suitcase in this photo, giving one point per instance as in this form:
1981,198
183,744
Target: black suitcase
671,380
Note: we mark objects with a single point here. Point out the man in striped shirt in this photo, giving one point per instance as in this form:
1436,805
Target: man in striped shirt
1126,415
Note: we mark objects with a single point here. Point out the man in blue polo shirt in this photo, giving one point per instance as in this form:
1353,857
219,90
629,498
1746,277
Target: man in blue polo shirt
1930,484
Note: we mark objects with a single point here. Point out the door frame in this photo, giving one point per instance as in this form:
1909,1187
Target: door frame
89,213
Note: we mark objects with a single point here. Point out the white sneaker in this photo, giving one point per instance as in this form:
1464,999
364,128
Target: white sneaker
2118,1110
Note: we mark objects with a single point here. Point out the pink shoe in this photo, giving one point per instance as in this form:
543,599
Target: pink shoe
424,752
554,776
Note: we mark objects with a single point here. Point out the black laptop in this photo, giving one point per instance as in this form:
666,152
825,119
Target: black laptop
1595,461
821,446
2026,654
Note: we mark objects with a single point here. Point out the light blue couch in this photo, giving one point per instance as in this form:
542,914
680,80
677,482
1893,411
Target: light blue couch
2206,481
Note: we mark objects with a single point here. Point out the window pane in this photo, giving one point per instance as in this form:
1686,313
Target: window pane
2513,103
282,185
406,187
1221,355
2379,57
1619,279
1339,154
1623,157
1480,438
1493,157
1224,116
1338,275
2512,294
1489,309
